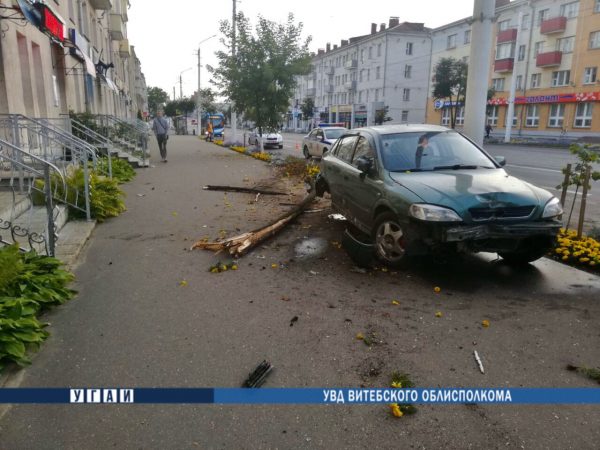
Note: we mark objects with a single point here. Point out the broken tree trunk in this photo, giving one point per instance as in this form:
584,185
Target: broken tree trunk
239,245
242,189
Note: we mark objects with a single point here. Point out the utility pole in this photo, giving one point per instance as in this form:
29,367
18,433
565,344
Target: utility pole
198,100
180,86
477,79
233,41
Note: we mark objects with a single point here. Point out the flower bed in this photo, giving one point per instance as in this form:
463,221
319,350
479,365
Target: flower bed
584,252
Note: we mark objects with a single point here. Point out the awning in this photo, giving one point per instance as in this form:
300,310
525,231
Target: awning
89,65
111,85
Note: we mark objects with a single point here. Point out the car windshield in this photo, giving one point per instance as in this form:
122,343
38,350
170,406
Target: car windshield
428,151
334,134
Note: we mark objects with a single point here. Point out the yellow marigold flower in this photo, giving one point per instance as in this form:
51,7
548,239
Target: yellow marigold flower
360,336
395,302
234,267
559,250
183,283
584,260
437,289
438,314
592,263
396,410
396,384
485,323
565,258
274,266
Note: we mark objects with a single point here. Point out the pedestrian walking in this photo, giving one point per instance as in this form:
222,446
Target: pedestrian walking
488,130
210,131
160,126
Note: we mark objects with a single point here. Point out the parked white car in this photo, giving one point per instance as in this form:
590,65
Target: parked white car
320,140
271,138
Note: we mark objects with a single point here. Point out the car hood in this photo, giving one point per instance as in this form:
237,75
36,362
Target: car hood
464,189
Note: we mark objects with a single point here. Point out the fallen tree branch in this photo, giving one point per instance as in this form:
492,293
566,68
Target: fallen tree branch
242,189
239,245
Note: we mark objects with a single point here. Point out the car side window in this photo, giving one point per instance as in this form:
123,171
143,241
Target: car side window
345,149
363,148
313,134
319,134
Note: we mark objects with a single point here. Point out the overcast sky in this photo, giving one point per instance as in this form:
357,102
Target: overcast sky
166,34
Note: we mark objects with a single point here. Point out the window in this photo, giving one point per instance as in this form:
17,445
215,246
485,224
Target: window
525,22
378,49
407,71
595,39
542,15
565,45
360,75
503,25
514,120
368,74
597,6
451,41
370,52
362,54
504,51
536,79
406,95
539,48
583,115
493,116
519,83
557,114
460,115
346,149
533,116
363,148
560,78
498,84
404,115
446,116
589,75
360,96
522,49
467,37
409,48
376,95
377,72
569,10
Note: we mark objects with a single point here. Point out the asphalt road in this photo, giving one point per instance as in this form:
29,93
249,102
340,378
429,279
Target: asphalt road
149,314
540,166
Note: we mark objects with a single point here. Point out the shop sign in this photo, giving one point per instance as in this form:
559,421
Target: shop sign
554,98
439,104
51,24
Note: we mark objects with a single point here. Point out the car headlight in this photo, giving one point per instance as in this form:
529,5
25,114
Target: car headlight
552,209
433,213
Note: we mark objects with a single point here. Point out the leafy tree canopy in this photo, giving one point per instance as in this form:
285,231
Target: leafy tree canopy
307,107
207,100
156,98
450,82
261,77
179,107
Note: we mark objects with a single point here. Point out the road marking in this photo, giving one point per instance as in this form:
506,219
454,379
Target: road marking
558,190
534,168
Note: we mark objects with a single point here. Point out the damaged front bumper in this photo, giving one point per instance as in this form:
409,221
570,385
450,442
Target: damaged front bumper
500,231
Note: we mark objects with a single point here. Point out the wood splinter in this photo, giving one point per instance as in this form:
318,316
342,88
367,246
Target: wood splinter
242,189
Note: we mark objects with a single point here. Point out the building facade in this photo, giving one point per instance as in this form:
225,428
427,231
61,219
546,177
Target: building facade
351,82
68,55
550,50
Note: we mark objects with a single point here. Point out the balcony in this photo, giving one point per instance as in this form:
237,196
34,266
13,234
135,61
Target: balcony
104,5
351,64
548,59
329,70
509,35
504,65
350,85
328,88
124,48
554,25
311,92
116,27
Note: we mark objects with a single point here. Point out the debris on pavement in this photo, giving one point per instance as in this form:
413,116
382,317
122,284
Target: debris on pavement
293,321
258,377
592,373
485,323
336,217
438,314
183,283
223,267
437,289
479,363
401,381
242,189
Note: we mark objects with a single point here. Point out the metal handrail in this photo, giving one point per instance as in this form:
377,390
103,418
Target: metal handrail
139,138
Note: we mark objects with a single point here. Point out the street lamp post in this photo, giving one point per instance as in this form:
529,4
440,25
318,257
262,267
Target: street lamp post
181,82
198,105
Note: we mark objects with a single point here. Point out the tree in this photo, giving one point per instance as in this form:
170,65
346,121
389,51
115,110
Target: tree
307,108
450,83
156,98
179,107
261,78
207,100
381,115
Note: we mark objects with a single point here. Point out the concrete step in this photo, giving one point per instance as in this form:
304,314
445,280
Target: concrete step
72,239
35,220
12,206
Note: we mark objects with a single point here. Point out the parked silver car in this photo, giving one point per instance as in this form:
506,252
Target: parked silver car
320,140
270,138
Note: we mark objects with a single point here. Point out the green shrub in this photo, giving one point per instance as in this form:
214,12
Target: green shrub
121,169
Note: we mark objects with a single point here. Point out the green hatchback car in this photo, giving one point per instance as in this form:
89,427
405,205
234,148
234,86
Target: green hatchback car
418,189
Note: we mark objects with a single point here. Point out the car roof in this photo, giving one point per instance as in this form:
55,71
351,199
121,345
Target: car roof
402,128
331,128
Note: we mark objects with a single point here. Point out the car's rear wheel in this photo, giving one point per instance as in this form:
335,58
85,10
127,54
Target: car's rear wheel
280,146
390,239
305,151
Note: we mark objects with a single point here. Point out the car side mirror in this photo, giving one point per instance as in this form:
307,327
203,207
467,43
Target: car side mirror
364,164
500,160
322,139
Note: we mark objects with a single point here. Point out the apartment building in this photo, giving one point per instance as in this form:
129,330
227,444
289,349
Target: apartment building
550,50
349,83
62,55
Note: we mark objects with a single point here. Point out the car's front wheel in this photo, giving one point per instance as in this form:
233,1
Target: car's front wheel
280,146
390,239
305,151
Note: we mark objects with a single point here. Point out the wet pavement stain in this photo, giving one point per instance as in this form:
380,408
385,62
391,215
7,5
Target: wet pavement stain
310,248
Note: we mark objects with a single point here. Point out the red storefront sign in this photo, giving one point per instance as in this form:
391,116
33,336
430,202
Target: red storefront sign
51,24
554,98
